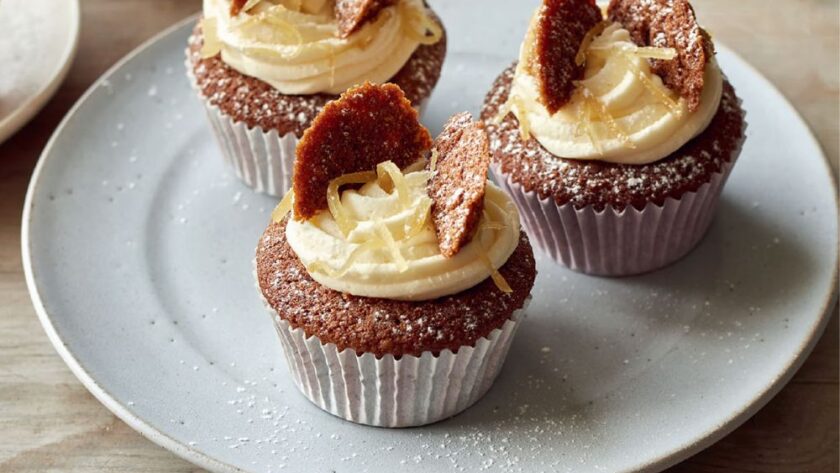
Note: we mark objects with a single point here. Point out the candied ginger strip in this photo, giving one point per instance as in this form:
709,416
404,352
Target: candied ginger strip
514,105
345,223
649,52
397,180
419,219
585,118
602,113
323,267
390,245
434,160
498,279
664,98
283,208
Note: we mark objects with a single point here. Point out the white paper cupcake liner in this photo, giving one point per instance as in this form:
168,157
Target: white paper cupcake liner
389,392
264,161
618,243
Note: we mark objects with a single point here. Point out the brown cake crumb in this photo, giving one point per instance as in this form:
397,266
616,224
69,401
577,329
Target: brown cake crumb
597,183
383,326
561,28
462,153
353,14
669,24
368,125
257,104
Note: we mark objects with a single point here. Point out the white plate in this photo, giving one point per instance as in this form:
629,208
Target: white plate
138,245
37,45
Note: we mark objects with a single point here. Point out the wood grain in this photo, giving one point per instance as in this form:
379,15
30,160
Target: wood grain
49,422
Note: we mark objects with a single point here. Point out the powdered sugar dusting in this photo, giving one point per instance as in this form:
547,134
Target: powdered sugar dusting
256,103
598,183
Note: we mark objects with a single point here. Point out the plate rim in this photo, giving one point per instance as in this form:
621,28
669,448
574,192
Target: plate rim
23,114
664,460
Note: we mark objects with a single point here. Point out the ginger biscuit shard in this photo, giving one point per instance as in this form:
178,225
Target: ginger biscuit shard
353,14
369,124
560,30
669,24
236,6
461,156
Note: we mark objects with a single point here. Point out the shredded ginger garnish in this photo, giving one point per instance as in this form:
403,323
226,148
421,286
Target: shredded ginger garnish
389,176
322,267
498,279
272,26
344,221
585,121
593,104
514,105
283,208
380,238
485,226
645,52
387,239
674,106
433,161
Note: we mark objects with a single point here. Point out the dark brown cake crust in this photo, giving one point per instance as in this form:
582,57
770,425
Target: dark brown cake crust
258,104
599,184
383,326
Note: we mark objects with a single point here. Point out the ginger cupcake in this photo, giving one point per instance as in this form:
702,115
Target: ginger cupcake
614,133
263,69
396,283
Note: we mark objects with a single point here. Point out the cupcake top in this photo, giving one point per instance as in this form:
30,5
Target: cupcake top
372,217
631,88
316,46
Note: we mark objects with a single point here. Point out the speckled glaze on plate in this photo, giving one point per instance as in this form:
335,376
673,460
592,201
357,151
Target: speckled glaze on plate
138,245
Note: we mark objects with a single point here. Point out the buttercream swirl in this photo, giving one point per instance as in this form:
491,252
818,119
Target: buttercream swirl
293,45
621,111
350,264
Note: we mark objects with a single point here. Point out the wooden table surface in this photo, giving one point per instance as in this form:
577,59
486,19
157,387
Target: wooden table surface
49,422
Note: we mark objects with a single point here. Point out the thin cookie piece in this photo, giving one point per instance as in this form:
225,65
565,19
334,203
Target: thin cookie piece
367,125
236,6
560,29
353,14
669,24
462,153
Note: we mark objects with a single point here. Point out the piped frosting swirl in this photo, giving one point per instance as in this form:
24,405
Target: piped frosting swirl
621,112
295,45
390,249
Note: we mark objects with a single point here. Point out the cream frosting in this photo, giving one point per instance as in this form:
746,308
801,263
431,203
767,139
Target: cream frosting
621,111
353,265
293,44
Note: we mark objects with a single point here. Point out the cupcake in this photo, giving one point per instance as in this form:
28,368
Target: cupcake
396,283
263,69
614,133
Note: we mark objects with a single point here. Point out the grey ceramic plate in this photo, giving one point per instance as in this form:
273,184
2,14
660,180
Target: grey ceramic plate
138,245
